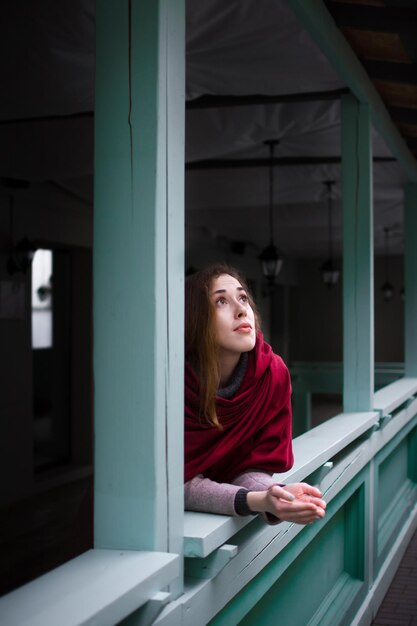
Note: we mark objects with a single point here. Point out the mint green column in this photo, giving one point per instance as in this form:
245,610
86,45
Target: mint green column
358,307
410,260
138,274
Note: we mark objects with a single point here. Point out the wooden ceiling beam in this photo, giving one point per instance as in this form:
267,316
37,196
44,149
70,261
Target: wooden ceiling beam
319,23
412,143
403,115
215,164
393,72
386,20
397,94
215,101
48,118
408,130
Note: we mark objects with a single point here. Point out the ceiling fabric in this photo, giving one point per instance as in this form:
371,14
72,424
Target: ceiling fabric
251,47
47,57
235,48
258,47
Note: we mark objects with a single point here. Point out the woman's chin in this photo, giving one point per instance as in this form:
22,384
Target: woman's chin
248,344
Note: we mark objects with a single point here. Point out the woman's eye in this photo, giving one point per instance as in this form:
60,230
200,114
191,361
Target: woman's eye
221,301
244,298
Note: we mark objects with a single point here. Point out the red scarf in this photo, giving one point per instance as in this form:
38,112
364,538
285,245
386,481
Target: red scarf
256,422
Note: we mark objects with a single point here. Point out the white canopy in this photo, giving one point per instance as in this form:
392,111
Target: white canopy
237,48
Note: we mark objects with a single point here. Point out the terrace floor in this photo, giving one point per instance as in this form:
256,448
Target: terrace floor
399,607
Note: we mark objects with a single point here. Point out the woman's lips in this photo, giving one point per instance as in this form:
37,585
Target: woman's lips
244,328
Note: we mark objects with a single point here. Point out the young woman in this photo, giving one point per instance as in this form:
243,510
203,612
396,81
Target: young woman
237,408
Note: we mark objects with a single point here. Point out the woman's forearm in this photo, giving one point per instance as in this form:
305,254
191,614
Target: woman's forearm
203,494
299,502
255,480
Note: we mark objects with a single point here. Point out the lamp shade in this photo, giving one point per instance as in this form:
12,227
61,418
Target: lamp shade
330,274
271,262
21,257
270,257
388,291
387,288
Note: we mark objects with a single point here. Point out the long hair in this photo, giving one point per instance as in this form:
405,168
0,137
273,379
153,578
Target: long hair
201,348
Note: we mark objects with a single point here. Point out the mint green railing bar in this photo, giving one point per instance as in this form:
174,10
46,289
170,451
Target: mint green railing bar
173,259
410,235
138,274
358,314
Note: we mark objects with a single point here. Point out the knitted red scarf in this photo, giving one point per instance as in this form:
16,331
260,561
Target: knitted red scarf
256,422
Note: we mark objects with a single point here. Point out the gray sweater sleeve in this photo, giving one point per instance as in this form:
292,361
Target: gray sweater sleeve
254,480
203,494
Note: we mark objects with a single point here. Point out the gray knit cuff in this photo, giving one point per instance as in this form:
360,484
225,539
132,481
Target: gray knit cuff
241,503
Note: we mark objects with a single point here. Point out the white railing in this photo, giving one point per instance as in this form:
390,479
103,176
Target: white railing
99,587
204,533
392,396
331,456
223,554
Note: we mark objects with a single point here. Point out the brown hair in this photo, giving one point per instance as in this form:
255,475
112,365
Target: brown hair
200,340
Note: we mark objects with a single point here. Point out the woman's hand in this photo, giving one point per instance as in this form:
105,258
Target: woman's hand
298,502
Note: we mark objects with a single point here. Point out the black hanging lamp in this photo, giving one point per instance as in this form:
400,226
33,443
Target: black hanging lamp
270,258
387,288
329,272
21,254
21,257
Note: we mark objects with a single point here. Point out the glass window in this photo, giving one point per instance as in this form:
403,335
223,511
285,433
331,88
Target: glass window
42,299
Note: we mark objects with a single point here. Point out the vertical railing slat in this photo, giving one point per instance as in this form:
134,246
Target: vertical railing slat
410,295
138,266
358,321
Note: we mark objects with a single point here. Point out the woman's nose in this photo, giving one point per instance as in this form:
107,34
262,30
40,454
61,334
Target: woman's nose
240,311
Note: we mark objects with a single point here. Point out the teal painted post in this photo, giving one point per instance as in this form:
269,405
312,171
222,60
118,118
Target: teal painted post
410,260
358,307
174,249
301,412
138,274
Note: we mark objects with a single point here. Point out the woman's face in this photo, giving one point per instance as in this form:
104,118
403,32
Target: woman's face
234,316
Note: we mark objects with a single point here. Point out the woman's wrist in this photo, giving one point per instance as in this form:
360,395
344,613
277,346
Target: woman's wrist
256,501
241,503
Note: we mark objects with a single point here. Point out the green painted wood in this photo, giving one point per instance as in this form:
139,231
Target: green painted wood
410,241
317,20
358,305
412,456
395,492
273,596
390,399
319,377
265,553
172,251
98,587
147,613
301,412
392,476
281,603
138,270
204,532
210,567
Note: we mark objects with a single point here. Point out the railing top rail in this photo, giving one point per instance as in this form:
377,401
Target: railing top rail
392,396
204,532
301,366
97,583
